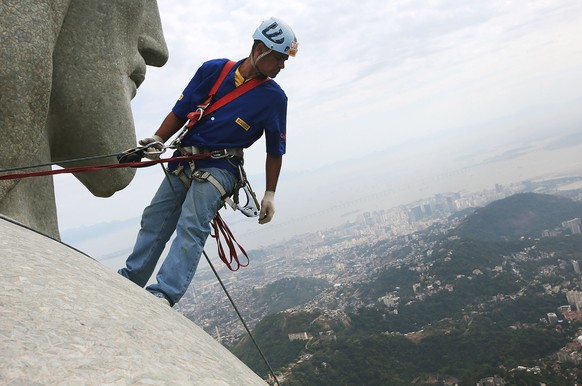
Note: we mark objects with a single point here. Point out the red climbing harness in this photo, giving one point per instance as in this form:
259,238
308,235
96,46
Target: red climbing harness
208,106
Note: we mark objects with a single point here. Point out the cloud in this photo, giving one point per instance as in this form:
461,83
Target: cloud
431,82
445,59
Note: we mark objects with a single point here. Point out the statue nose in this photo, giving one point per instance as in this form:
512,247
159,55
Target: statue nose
152,44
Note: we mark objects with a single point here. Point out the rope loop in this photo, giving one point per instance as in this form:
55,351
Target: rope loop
232,262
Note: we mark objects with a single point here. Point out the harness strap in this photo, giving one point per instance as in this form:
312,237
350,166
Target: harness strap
202,176
196,115
208,106
218,224
233,263
216,153
223,73
240,90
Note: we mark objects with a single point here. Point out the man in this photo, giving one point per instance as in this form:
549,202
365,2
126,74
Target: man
69,69
189,207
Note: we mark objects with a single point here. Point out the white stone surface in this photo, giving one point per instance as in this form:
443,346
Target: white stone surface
67,320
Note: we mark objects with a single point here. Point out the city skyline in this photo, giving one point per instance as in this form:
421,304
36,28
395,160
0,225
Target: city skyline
108,242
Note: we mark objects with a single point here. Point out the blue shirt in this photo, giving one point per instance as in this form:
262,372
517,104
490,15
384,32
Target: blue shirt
239,123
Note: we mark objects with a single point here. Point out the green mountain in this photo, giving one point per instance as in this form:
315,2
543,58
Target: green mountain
272,336
287,293
453,309
520,215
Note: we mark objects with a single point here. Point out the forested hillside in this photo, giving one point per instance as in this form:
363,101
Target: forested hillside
456,308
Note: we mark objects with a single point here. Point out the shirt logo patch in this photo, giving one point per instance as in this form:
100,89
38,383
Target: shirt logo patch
243,124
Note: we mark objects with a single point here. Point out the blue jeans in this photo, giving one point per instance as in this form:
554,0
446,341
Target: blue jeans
188,211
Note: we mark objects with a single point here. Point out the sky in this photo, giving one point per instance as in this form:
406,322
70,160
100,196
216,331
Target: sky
389,101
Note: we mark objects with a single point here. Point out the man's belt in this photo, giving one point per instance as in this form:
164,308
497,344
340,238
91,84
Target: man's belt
216,153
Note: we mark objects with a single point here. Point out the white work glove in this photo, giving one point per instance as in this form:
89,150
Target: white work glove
152,152
267,207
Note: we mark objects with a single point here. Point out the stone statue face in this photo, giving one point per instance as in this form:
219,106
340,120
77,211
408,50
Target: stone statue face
99,61
68,70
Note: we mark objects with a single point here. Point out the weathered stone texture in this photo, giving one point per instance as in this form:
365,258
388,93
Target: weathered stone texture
67,320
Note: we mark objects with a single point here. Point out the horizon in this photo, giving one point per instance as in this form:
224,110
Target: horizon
118,235
393,102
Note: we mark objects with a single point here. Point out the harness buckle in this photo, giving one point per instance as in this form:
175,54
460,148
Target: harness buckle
221,153
195,116
200,110
200,175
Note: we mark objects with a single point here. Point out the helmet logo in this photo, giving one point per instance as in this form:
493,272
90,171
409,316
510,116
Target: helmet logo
293,49
271,33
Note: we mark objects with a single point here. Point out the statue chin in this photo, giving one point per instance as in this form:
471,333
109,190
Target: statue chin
116,182
83,123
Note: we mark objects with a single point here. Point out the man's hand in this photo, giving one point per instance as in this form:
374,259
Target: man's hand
267,207
156,145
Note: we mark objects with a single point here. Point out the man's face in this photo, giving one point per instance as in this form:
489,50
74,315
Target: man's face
99,62
272,63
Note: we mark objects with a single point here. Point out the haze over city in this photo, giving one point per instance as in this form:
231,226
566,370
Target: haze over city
389,102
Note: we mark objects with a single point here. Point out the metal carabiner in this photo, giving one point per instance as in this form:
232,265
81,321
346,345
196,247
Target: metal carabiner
155,150
137,153
252,207
195,116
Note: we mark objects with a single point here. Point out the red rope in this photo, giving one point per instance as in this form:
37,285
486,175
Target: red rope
219,227
218,223
81,169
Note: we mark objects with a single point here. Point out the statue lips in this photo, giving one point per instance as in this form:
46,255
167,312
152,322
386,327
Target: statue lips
137,78
138,74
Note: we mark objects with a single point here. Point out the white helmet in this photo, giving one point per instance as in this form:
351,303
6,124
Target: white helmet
277,36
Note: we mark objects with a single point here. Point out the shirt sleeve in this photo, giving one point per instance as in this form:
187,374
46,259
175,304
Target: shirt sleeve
276,127
185,102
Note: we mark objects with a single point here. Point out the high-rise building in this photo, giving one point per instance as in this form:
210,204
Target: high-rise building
573,225
368,219
575,299
427,209
416,213
552,318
